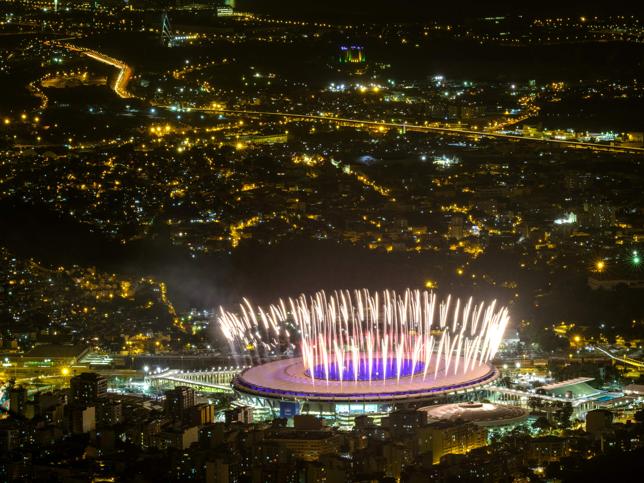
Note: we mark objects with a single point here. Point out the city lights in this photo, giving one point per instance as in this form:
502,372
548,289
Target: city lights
169,170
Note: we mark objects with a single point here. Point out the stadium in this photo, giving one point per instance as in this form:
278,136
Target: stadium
483,414
351,353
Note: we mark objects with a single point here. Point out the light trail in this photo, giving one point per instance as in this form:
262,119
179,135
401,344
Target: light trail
125,71
124,75
624,359
423,128
372,336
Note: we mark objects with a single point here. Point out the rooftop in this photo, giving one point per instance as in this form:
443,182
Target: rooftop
637,389
483,414
57,351
578,388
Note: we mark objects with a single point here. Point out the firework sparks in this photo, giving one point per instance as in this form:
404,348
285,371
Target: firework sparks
369,336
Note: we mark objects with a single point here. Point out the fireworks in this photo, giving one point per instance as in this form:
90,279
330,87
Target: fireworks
371,336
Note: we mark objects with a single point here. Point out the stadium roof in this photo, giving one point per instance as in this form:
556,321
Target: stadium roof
483,414
578,388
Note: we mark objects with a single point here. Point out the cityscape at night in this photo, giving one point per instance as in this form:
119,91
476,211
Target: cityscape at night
359,241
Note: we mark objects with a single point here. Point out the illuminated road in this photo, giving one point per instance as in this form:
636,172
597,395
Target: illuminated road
125,74
423,128
125,71
215,380
623,359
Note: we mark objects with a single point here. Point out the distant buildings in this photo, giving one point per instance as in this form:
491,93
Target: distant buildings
183,442
455,229
404,422
613,280
352,54
178,401
180,438
457,437
597,215
18,399
524,219
227,9
83,419
200,414
307,440
239,415
547,449
87,388
109,413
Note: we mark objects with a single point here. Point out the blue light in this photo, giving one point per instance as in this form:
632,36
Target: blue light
389,370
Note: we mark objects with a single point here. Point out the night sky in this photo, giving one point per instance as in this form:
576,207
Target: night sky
428,9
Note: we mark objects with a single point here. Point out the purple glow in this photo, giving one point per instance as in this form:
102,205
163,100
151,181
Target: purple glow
364,374
372,336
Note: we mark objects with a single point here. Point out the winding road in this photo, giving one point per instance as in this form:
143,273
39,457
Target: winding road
125,75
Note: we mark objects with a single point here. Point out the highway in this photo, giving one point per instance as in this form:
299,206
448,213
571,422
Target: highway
125,71
213,380
125,74
423,128
623,359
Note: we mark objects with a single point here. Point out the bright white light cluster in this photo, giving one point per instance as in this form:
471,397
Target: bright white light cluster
363,335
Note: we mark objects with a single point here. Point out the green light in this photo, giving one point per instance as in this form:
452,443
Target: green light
636,260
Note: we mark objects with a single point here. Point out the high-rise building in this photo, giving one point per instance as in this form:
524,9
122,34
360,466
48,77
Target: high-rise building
109,413
200,414
83,420
239,415
87,388
307,440
597,215
178,400
547,449
456,228
406,421
449,437
11,435
177,438
49,405
18,400
224,469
